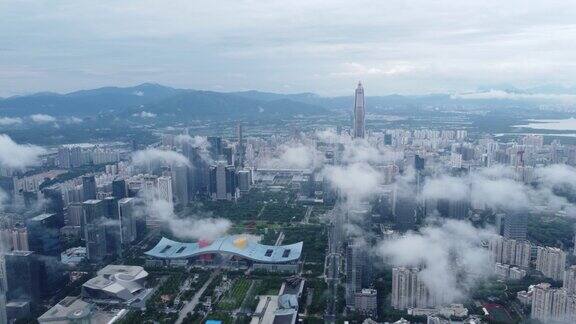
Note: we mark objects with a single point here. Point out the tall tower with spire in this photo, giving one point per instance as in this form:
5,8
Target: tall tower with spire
359,112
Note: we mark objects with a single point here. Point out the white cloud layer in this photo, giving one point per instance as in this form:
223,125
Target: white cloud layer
18,156
42,118
154,156
7,121
449,253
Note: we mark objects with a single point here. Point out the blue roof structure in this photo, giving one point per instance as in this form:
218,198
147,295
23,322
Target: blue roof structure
238,245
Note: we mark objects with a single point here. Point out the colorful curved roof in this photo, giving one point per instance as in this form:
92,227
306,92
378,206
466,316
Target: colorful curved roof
238,245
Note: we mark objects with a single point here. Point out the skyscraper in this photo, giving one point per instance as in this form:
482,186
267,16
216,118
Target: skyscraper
127,220
358,274
22,275
119,188
222,181
44,234
94,230
359,112
180,178
89,187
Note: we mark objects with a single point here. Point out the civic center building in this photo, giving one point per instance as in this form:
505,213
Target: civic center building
237,251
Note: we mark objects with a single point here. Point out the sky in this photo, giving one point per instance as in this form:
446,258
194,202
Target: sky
393,46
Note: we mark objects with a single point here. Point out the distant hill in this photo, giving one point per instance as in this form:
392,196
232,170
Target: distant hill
167,102
85,102
156,99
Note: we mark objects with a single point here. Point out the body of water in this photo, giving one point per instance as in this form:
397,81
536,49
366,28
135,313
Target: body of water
551,124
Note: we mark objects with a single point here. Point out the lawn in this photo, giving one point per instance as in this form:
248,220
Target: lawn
235,296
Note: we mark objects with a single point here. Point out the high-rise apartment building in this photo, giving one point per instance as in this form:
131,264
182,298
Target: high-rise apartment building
551,262
509,251
408,290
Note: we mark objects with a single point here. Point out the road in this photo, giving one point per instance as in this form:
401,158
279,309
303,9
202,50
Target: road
189,307
332,268
306,219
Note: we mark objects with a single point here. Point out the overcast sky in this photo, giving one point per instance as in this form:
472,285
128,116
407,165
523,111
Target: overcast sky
286,46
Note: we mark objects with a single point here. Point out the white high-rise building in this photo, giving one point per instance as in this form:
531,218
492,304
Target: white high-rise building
542,301
570,280
553,305
165,189
409,291
359,112
551,262
509,251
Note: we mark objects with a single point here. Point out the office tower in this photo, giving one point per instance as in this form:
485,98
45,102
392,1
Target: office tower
119,188
93,210
387,139
22,271
329,193
54,202
513,225
112,226
244,180
74,214
110,207
180,178
358,272
308,187
127,217
240,155
215,147
419,163
359,112
228,154
89,187
44,234
551,262
405,211
94,230
222,183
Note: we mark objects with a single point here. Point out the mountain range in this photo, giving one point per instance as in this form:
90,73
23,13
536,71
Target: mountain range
159,100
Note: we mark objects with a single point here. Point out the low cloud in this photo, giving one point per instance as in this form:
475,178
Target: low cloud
294,155
72,120
499,94
7,121
356,183
18,156
191,227
145,114
199,142
42,118
154,156
449,253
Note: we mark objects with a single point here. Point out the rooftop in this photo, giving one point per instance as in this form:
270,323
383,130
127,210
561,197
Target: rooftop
238,245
